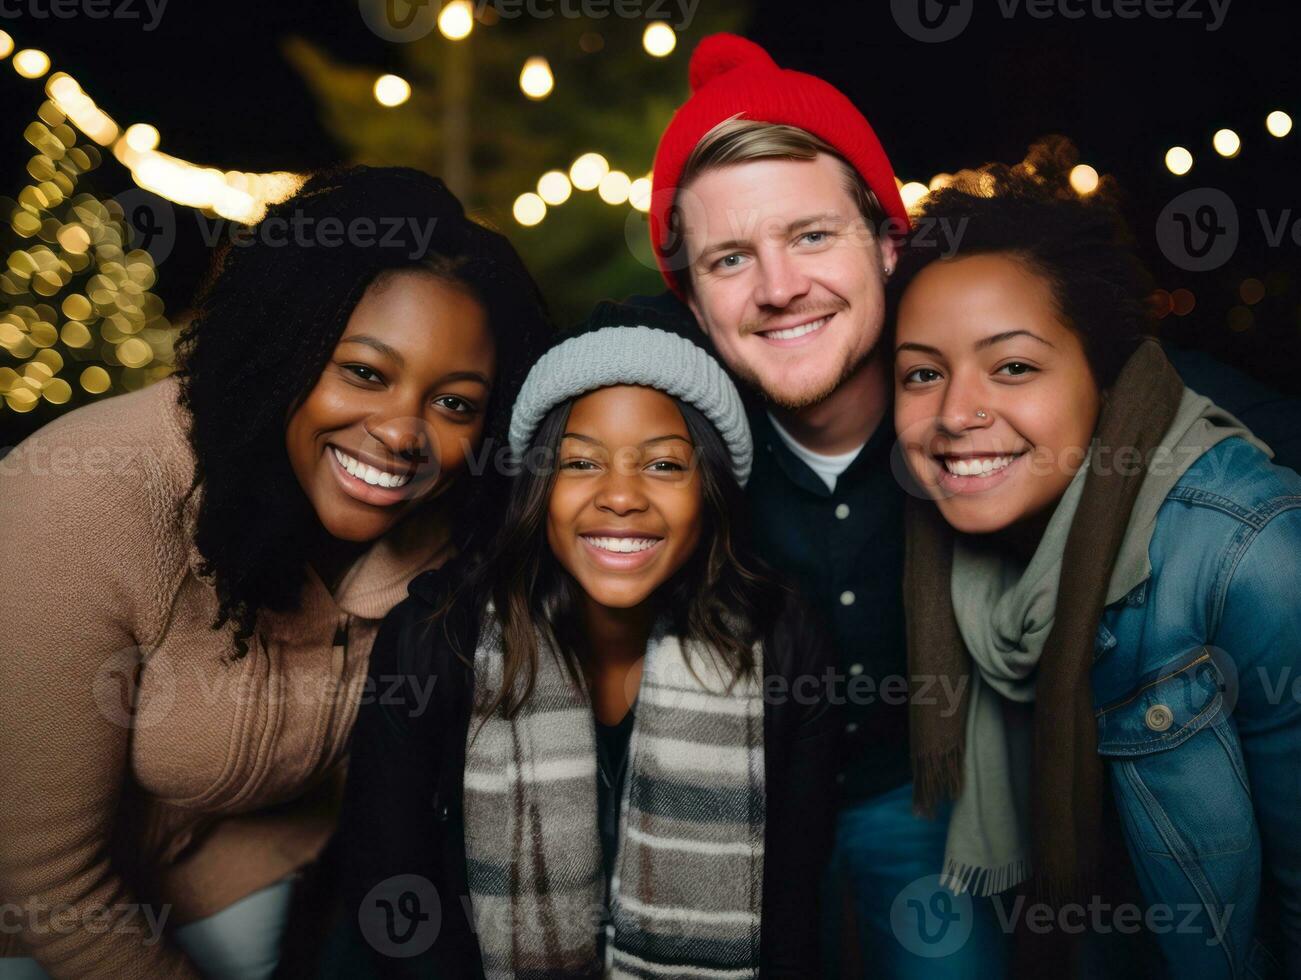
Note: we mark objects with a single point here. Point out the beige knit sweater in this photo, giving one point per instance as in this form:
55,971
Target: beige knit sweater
225,776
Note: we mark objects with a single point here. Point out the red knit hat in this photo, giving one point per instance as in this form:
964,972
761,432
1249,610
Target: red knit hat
730,75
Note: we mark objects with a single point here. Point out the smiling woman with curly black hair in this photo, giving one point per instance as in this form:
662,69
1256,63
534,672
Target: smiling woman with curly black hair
186,639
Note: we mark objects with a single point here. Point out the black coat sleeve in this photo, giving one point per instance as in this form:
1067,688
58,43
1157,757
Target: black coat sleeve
801,796
386,849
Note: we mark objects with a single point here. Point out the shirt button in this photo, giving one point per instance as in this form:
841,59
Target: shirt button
851,727
846,598
855,669
842,511
1159,717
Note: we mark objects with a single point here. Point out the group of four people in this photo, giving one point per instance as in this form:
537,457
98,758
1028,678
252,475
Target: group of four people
824,612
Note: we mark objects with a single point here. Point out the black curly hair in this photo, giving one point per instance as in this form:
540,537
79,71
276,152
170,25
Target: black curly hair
267,322
1079,244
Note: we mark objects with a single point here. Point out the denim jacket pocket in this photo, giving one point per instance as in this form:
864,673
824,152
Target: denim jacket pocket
1180,786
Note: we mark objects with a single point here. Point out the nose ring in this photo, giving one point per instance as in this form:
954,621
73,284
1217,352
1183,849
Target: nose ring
980,414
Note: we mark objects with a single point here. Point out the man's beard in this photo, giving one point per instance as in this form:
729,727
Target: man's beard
808,398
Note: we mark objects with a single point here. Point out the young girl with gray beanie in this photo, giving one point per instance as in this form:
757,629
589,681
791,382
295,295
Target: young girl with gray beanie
603,748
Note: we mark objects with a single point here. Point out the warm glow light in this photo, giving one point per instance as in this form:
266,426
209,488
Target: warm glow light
142,137
529,209
659,39
456,20
940,181
912,192
614,187
639,194
1178,160
554,187
6,45
1226,143
588,170
1084,179
391,90
1279,123
31,63
535,78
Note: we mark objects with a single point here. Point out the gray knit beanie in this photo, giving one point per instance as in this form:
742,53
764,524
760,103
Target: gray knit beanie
616,348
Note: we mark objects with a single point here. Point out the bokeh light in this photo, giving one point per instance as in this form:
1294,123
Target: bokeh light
1084,179
391,90
535,78
1227,143
1178,160
31,63
1279,123
659,39
614,187
529,209
456,20
587,171
554,187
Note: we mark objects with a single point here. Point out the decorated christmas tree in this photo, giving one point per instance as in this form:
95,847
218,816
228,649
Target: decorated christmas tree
604,88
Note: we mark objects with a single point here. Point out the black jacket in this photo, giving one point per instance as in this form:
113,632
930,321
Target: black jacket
402,814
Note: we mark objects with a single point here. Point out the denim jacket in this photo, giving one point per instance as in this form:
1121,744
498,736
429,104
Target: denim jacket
1197,693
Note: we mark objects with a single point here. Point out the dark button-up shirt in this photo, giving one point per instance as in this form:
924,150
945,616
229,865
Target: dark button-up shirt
843,549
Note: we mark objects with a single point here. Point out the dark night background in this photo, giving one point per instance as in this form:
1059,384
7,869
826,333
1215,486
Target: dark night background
213,78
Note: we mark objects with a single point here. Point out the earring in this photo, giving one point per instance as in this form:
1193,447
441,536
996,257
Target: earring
980,414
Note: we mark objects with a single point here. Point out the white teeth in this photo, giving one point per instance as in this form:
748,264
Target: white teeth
622,546
986,466
362,471
792,332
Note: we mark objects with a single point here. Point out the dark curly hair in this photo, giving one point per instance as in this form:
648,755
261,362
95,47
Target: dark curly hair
267,322
1079,244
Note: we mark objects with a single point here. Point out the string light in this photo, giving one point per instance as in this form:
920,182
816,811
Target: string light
31,63
1226,143
1178,160
1084,179
6,45
141,137
912,193
456,20
391,90
587,171
1279,123
554,187
639,194
529,209
659,39
614,187
535,78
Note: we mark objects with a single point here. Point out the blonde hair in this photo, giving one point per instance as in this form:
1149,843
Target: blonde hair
738,140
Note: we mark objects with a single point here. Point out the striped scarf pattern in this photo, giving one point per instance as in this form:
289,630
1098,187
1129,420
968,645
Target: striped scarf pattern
688,877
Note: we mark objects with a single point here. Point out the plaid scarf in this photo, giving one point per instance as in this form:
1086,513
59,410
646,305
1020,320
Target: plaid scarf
688,877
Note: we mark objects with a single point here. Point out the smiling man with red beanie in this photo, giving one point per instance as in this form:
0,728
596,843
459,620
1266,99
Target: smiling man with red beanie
774,217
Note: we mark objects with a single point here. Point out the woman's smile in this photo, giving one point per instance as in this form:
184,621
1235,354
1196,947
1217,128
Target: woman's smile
620,551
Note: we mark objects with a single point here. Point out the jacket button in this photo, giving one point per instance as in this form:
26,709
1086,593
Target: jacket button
846,598
1159,717
842,511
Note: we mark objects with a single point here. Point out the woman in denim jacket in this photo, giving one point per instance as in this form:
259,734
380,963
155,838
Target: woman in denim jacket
1111,563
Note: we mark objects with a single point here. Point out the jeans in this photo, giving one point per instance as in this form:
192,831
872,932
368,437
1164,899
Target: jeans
904,925
241,942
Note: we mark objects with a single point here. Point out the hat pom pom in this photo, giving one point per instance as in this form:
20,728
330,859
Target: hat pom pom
720,53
